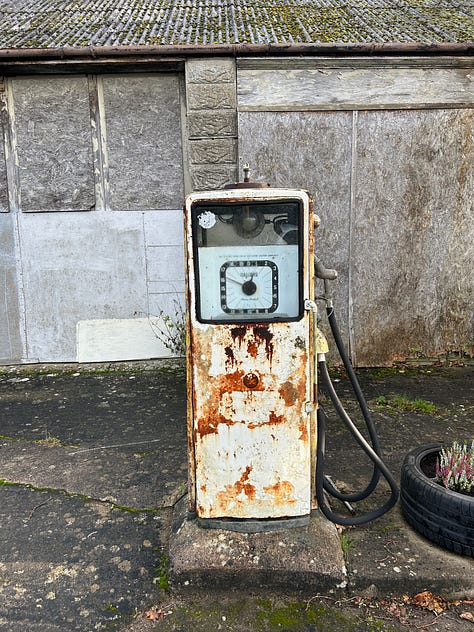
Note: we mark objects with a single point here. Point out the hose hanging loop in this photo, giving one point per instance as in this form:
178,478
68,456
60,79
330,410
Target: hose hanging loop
324,483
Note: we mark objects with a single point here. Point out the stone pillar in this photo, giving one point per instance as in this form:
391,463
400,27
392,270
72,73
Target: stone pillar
211,102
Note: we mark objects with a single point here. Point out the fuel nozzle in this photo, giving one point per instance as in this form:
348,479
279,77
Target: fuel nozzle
326,274
322,272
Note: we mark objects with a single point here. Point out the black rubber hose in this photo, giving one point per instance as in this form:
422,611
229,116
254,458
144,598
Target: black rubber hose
353,378
375,458
345,417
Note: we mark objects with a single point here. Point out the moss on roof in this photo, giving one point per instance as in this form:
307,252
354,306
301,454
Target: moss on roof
56,23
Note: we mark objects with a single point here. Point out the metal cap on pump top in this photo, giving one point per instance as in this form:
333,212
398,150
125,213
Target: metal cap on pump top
247,184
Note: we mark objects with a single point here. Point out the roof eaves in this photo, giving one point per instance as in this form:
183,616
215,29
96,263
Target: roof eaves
236,50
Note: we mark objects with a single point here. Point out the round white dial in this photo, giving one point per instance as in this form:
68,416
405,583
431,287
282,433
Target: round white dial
249,287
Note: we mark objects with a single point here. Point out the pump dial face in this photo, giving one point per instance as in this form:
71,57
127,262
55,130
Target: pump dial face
249,287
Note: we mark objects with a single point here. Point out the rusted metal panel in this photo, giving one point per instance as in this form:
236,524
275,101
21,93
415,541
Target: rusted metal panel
250,409
251,442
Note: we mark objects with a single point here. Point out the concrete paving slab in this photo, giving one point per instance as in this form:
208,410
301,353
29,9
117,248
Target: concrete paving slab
96,433
91,462
386,557
95,407
70,564
138,477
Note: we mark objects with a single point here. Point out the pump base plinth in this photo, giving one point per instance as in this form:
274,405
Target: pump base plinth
299,557
253,526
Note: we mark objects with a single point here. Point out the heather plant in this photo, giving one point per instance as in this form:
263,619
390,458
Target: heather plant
455,467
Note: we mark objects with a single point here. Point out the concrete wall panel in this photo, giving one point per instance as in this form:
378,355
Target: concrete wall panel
11,348
79,267
54,146
89,282
3,167
165,263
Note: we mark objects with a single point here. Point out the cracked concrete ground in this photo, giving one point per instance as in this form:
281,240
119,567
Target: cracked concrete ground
92,463
93,460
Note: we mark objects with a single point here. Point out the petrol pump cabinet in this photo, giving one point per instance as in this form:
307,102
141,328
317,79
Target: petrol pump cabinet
250,421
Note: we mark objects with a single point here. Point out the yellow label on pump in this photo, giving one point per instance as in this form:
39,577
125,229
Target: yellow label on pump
321,342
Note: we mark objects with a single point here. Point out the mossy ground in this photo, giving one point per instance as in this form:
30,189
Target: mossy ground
262,613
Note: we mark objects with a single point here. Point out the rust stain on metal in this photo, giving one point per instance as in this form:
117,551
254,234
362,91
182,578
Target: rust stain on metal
248,343
200,509
231,382
263,334
303,428
230,357
209,424
283,492
288,393
210,418
252,348
238,493
273,420
238,333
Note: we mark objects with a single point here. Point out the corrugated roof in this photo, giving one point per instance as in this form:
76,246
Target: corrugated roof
56,23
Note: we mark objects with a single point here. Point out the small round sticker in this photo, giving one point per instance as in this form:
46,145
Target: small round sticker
207,219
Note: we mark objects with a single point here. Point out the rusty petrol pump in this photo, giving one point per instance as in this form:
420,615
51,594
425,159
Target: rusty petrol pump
253,352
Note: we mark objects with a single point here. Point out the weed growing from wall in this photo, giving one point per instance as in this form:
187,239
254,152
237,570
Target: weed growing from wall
172,332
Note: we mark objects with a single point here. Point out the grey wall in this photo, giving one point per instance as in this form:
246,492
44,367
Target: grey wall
143,127
91,222
412,253
393,188
93,169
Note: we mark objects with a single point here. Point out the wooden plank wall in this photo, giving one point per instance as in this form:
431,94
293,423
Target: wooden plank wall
354,84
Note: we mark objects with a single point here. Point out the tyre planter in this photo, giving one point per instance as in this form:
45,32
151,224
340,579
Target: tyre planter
441,515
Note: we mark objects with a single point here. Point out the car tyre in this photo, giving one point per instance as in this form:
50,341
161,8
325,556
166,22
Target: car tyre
441,515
